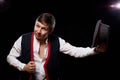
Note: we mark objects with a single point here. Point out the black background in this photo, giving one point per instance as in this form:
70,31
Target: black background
75,22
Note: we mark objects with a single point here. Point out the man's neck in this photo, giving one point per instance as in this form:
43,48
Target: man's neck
42,42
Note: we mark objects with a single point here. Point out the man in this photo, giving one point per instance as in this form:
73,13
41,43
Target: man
36,54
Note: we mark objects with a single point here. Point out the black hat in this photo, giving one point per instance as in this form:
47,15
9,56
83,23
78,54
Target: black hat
101,34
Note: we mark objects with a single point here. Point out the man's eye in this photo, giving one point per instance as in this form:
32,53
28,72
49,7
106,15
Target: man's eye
45,29
37,25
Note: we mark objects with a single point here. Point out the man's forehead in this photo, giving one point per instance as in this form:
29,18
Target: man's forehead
43,24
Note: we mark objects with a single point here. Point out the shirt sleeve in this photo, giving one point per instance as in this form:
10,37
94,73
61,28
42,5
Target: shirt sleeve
71,50
14,53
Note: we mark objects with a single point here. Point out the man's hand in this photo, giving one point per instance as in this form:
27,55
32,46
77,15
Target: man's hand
30,67
101,48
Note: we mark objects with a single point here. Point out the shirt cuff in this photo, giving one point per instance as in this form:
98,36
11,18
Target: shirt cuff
21,67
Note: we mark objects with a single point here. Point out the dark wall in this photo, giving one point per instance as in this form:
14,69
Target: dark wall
75,22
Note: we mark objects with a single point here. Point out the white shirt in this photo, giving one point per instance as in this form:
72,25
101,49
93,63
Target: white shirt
65,48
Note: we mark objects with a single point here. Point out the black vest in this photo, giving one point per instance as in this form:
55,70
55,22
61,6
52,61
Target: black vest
52,66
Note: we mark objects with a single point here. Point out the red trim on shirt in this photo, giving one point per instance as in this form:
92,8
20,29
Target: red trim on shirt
31,52
47,59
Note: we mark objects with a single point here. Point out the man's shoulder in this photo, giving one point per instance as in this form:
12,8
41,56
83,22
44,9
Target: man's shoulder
28,33
27,36
53,36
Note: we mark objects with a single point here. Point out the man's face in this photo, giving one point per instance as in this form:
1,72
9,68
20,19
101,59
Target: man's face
41,30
